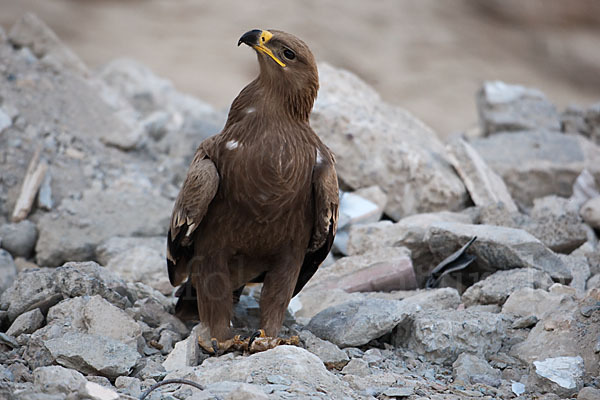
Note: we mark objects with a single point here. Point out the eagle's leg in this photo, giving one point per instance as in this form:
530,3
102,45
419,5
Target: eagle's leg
214,297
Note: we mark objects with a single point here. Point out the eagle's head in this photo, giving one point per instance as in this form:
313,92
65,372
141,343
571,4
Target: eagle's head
287,66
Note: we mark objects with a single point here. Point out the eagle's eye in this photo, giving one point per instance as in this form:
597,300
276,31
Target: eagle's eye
287,53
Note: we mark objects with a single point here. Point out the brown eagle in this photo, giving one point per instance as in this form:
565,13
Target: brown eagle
260,200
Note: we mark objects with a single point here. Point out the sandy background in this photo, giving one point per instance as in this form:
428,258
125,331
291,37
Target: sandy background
427,56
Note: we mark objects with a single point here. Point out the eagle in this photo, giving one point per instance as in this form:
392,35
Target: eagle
260,199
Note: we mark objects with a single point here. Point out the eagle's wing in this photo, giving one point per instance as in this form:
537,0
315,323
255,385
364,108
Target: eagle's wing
326,204
195,196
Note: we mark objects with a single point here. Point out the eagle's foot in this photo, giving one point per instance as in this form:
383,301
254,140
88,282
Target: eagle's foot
259,341
256,343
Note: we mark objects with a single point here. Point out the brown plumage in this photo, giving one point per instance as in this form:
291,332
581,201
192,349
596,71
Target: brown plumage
260,200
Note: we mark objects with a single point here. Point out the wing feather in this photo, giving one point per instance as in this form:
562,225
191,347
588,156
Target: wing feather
195,196
326,206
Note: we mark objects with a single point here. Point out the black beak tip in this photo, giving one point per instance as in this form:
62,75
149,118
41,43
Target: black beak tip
251,37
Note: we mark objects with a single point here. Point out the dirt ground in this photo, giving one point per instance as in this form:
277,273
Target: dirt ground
427,56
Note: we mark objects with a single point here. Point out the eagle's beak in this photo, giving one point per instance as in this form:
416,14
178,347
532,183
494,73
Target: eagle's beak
258,39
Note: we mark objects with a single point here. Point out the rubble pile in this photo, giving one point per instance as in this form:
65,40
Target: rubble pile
91,162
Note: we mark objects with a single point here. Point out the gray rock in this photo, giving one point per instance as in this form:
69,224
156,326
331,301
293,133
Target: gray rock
27,322
538,163
19,239
151,370
43,288
560,375
527,301
96,316
496,288
72,233
295,364
593,282
44,200
30,31
441,336
504,107
358,367
588,393
356,124
468,367
554,221
496,248
129,386
590,212
93,354
484,185
137,259
58,380
329,353
580,269
8,270
356,323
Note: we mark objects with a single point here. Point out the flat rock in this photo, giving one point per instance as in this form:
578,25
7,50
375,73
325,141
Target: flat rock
484,185
590,212
382,269
496,248
72,233
329,353
504,107
356,323
441,336
93,354
8,270
410,165
42,288
19,239
496,288
559,375
468,369
27,322
535,164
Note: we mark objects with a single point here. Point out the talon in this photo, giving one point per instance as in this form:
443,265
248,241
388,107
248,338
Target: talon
259,333
215,346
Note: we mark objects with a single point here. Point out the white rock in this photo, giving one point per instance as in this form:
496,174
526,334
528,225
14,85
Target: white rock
560,375
99,392
590,212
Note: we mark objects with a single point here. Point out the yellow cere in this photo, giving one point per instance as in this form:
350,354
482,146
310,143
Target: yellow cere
265,36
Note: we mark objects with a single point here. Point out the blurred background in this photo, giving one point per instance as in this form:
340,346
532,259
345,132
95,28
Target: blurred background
427,56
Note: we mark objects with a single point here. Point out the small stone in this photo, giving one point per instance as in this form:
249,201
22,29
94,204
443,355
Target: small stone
58,380
358,322
99,392
399,392
518,388
559,375
358,367
278,380
28,322
468,366
586,311
129,386
5,120
484,185
525,322
329,353
19,239
496,288
8,270
44,200
504,107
